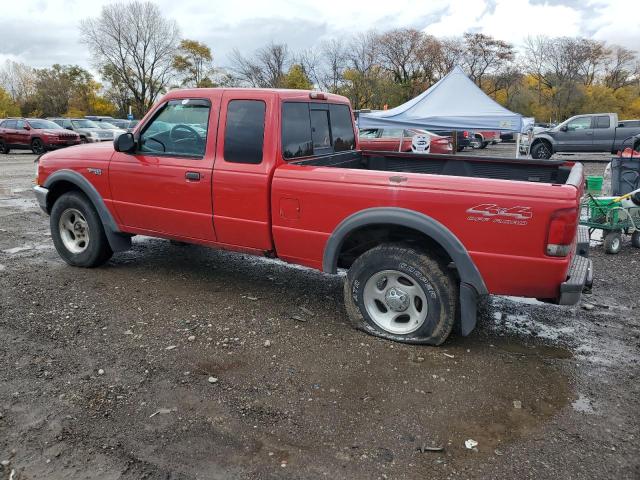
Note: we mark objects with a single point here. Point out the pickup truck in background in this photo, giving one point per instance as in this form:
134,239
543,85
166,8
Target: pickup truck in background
595,132
34,134
278,173
484,138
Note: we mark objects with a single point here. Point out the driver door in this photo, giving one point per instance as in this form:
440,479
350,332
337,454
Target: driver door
164,186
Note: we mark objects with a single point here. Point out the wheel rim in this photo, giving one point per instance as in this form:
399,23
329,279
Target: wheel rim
395,302
542,151
615,244
37,146
74,230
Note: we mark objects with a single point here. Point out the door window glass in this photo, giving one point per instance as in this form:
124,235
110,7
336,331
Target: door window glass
10,124
392,133
296,130
320,129
19,124
342,128
369,133
179,129
581,123
244,132
603,121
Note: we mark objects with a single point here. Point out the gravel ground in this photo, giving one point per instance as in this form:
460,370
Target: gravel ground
187,363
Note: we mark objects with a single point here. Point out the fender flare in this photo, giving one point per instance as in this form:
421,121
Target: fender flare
403,217
118,241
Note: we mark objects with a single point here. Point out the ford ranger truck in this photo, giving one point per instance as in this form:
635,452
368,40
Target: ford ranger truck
278,173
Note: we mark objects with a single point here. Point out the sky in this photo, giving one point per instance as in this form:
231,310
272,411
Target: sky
43,32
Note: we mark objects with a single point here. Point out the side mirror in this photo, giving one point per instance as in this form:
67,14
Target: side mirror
124,143
27,127
564,128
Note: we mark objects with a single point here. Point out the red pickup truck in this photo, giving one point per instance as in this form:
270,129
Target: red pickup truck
278,173
34,134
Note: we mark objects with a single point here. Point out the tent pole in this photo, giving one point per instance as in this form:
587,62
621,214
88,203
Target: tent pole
454,140
518,145
401,140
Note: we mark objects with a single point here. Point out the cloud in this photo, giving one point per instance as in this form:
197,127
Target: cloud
43,32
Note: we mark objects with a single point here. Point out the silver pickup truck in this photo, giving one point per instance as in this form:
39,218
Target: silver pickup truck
593,132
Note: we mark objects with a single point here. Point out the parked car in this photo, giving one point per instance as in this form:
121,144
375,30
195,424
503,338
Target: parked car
464,137
87,129
422,237
34,134
388,139
124,124
595,132
484,138
109,126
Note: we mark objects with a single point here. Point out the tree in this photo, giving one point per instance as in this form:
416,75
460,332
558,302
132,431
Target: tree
137,45
484,55
8,107
194,63
18,80
296,78
621,68
265,68
334,53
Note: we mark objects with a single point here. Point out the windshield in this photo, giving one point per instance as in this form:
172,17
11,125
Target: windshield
107,126
83,124
38,124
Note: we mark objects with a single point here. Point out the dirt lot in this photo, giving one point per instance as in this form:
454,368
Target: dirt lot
105,373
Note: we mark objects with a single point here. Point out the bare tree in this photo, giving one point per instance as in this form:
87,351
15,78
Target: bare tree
265,68
137,44
485,55
18,79
335,55
621,68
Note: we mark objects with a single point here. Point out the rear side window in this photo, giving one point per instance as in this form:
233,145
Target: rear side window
244,132
315,129
603,121
10,124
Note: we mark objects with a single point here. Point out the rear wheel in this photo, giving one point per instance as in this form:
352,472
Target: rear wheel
635,239
3,147
402,294
612,242
541,150
77,231
37,146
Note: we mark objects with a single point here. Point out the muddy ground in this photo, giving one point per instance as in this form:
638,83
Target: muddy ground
186,363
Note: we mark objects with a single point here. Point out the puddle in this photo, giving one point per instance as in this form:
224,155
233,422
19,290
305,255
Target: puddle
583,405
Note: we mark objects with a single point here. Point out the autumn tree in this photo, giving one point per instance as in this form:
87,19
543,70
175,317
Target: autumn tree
484,55
296,79
137,45
265,68
194,64
8,107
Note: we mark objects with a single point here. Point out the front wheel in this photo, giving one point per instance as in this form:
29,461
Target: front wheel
37,146
612,242
3,147
541,150
77,231
399,293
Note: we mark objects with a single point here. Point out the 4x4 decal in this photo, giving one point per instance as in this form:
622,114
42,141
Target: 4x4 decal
490,212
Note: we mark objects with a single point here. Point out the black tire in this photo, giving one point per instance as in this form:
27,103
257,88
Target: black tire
83,140
419,269
459,149
97,250
612,243
635,239
484,145
541,150
37,146
3,147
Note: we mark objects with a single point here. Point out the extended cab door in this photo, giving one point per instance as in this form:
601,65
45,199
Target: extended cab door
164,186
578,136
245,158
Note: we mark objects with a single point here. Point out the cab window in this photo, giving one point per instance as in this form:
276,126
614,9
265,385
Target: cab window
178,129
603,121
313,128
244,131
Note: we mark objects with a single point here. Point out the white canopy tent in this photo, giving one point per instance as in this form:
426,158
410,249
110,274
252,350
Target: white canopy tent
453,103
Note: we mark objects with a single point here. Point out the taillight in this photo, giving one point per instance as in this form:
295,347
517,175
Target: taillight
562,232
465,134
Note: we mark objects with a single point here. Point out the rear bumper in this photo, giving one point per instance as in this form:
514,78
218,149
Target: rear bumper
580,274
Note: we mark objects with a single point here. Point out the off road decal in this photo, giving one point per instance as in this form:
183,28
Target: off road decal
490,212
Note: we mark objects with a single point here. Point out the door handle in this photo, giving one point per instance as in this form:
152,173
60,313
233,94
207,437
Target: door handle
192,176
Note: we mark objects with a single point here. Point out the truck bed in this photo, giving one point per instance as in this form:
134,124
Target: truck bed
527,170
